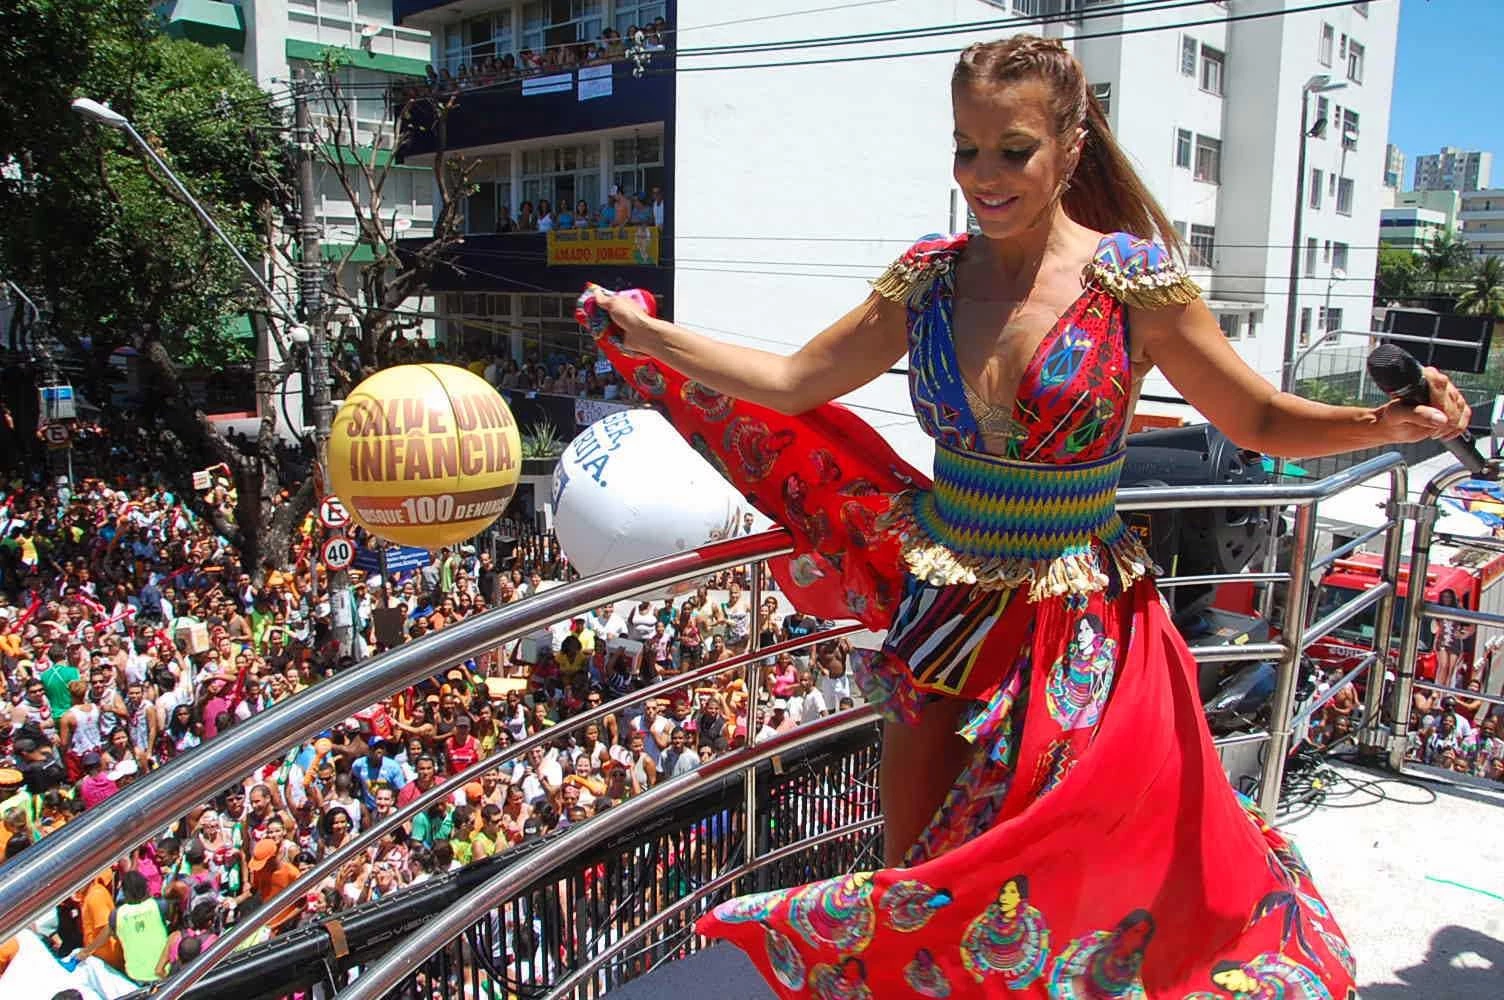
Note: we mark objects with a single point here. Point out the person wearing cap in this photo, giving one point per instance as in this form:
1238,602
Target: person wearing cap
375,767
270,874
95,786
14,795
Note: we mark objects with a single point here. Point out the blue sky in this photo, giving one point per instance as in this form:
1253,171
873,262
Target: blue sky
1447,80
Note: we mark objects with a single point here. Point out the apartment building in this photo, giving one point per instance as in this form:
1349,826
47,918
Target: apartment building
1453,169
273,38
1482,218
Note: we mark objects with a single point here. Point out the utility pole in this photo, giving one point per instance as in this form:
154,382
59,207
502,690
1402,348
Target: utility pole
311,290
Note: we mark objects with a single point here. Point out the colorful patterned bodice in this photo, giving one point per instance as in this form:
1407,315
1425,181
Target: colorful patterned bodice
1042,511
1072,401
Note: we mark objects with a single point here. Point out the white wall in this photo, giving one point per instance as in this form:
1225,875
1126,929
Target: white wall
794,187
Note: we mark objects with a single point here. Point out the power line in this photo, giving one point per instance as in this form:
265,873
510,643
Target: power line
759,268
1130,6
905,34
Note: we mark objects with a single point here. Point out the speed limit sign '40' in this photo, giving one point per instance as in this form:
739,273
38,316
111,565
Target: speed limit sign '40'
338,553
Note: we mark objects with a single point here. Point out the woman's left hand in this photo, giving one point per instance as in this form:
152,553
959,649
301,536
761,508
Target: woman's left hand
1445,417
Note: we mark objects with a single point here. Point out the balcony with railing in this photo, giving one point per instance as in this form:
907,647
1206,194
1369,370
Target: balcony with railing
533,70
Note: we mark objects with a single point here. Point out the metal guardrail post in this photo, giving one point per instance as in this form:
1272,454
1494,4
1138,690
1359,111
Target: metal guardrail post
754,689
1289,668
1415,611
1369,736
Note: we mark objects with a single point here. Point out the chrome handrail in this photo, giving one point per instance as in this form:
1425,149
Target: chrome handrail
36,880
388,971
183,979
1415,610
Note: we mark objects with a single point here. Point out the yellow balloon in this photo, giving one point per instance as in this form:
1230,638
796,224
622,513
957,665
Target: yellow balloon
424,455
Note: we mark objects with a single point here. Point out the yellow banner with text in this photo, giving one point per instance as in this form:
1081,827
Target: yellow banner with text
629,245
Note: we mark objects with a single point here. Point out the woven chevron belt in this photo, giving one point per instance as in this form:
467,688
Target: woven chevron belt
985,508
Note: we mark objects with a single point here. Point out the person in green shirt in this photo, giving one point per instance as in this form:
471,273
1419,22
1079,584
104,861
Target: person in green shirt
433,824
459,834
489,838
138,925
56,679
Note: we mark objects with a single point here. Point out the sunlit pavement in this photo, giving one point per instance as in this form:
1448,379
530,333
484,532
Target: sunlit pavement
1413,869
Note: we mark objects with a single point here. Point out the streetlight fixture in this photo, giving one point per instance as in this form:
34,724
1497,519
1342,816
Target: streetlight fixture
1319,84
109,117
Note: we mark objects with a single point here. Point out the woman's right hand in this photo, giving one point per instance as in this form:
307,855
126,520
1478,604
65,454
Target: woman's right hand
627,316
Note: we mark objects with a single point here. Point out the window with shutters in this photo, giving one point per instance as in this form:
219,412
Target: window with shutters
1203,245
1211,70
1208,159
1183,146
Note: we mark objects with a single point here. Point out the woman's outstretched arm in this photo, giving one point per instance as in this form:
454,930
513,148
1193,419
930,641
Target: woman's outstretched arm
849,353
1186,344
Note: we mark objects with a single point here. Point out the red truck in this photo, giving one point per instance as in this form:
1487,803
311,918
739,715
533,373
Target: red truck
1467,577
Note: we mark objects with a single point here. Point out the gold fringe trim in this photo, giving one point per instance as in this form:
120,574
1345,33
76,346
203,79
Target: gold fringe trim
906,281
1168,286
1069,573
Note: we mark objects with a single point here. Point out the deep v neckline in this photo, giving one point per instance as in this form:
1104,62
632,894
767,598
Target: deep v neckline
968,391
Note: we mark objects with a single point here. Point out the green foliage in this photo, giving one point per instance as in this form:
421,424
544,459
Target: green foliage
118,258
1482,292
1442,258
1398,277
1324,391
542,440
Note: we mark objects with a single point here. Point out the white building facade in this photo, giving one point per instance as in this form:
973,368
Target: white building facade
1482,218
271,39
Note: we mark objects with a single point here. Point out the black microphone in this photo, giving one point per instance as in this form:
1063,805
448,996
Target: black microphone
1394,370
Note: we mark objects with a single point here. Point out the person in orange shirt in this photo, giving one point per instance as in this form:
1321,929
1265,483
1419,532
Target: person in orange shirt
96,903
270,875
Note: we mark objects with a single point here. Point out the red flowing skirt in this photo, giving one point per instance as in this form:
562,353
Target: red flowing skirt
1092,848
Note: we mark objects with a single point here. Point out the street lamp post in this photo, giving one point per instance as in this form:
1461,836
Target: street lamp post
1318,84
106,115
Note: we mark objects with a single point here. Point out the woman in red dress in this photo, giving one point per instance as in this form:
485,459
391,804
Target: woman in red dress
1057,822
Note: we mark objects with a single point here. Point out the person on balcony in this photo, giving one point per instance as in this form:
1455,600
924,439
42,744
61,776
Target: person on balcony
1057,821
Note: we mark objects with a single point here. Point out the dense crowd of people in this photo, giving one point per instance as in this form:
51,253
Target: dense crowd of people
619,209
1461,733
504,67
131,634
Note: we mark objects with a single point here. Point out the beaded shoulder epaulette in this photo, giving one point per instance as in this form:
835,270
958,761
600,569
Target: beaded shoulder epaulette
1139,272
909,278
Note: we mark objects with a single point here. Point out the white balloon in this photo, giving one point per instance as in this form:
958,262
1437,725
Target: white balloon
629,488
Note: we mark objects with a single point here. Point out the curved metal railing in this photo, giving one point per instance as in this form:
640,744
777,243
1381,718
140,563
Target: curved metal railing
68,859
36,880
